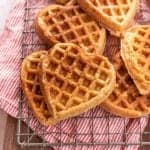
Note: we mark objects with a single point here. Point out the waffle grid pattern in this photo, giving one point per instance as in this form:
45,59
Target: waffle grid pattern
144,61
138,63
115,9
31,85
73,25
73,79
126,96
26,137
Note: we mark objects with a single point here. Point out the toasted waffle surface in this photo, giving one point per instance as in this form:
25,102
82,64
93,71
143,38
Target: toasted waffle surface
126,100
57,23
62,1
31,87
115,15
135,51
73,81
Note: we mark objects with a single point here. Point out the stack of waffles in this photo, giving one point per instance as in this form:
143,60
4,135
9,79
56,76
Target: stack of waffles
73,75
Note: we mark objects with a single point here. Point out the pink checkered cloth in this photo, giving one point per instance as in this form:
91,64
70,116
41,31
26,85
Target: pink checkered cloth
10,54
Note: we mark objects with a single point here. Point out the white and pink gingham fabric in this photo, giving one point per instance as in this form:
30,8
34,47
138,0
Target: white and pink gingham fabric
10,59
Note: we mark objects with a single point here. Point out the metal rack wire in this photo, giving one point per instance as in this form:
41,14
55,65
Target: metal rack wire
26,137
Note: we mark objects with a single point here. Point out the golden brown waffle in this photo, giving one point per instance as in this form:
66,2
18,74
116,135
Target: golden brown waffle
115,15
62,1
57,23
125,100
135,51
31,87
73,82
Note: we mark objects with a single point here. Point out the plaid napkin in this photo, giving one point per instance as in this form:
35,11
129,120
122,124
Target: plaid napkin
10,60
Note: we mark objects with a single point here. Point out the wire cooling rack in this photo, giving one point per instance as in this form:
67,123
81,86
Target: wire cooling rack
26,137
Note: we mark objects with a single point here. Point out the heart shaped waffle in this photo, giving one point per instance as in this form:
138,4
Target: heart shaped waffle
31,87
73,81
126,100
135,51
57,23
115,15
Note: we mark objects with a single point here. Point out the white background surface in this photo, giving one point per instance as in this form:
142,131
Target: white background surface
5,6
